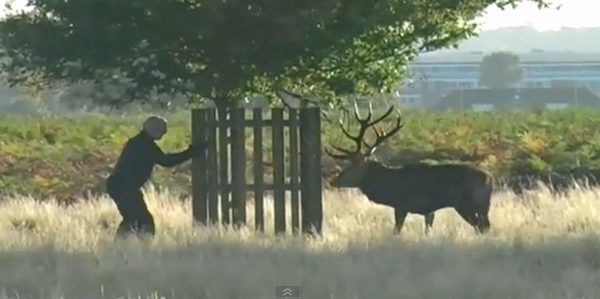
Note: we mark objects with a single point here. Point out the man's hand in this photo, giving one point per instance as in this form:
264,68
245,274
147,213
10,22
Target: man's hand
197,149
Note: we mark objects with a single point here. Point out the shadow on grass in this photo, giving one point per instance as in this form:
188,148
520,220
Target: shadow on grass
567,267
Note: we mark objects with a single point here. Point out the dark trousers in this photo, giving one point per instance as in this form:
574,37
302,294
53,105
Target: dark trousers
132,207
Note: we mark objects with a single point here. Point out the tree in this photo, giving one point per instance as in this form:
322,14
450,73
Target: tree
226,50
500,70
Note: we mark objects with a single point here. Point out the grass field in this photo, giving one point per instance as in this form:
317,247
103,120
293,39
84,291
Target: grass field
540,246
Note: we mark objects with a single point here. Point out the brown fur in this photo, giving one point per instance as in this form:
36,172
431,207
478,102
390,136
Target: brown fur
423,188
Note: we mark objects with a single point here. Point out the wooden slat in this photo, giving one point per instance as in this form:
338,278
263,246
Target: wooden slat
304,202
293,144
224,164
199,194
238,166
278,170
312,214
211,165
258,171
315,150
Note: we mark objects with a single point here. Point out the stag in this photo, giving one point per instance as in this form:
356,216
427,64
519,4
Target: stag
418,188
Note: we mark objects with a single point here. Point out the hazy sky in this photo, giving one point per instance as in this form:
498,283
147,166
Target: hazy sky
574,13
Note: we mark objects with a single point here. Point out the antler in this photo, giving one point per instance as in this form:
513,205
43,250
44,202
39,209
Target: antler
381,136
364,123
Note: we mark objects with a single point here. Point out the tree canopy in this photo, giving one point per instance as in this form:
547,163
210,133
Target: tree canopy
500,70
230,49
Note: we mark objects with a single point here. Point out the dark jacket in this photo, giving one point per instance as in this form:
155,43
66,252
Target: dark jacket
137,160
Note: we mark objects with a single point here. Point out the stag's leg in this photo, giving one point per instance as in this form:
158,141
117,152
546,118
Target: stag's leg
481,203
399,216
429,222
483,221
469,216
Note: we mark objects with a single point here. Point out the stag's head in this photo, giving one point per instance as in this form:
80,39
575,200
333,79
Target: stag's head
359,158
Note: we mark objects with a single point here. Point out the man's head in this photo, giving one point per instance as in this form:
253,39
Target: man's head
155,127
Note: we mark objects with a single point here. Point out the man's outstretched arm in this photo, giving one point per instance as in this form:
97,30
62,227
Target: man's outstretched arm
173,159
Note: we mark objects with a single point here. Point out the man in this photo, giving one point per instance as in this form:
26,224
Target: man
134,168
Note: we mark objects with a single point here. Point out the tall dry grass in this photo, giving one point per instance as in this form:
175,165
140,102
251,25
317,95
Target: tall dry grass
541,246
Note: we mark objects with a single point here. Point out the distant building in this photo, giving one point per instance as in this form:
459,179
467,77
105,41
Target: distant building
510,99
415,98
541,69
434,75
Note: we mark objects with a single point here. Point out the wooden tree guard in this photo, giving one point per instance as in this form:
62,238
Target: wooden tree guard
220,175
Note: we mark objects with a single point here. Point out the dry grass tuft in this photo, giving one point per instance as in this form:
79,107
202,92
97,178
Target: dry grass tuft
541,246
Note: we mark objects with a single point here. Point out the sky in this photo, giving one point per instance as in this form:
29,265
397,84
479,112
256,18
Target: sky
573,13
